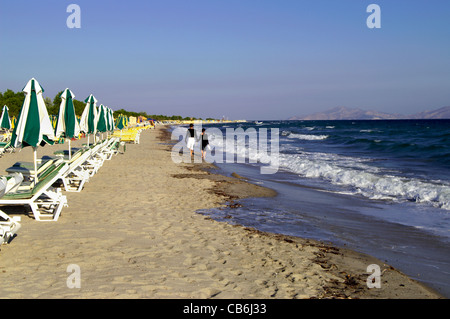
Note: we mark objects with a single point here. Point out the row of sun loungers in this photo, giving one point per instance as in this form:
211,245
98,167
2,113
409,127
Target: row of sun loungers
43,196
130,135
6,147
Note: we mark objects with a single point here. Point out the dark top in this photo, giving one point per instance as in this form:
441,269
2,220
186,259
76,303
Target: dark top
190,133
205,142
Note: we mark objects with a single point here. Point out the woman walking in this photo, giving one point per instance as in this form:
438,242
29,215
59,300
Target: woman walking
205,143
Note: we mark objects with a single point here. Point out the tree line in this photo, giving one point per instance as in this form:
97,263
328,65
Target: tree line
14,101
159,117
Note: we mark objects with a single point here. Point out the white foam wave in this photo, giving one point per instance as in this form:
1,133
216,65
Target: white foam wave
353,175
307,137
371,182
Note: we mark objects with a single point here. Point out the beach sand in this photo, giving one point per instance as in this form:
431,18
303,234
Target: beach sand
133,231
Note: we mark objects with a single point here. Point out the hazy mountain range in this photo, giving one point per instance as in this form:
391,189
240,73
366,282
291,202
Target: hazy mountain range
345,113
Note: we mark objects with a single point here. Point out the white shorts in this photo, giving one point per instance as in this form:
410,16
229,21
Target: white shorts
190,143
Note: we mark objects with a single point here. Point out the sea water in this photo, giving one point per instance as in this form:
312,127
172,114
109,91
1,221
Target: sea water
381,187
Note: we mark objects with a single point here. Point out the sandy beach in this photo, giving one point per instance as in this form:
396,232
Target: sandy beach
134,233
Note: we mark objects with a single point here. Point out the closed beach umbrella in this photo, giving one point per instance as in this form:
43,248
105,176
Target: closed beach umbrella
101,120
110,124
5,121
111,120
120,123
123,122
67,125
108,120
88,118
33,126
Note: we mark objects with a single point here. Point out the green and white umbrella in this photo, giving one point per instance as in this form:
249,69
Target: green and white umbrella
113,123
110,120
33,126
67,125
88,123
102,122
108,125
5,121
120,122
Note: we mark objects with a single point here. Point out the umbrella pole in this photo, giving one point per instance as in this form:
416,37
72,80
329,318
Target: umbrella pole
35,165
70,151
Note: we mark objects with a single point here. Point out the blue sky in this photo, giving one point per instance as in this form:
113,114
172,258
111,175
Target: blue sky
242,59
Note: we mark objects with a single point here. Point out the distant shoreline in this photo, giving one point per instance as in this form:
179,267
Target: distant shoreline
344,113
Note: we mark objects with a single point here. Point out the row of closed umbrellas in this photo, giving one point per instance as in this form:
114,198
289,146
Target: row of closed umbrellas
34,128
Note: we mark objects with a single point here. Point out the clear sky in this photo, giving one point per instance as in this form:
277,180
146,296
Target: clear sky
242,59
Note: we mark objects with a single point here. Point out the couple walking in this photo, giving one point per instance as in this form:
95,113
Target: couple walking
191,138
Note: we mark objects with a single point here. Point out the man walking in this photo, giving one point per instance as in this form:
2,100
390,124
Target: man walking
191,137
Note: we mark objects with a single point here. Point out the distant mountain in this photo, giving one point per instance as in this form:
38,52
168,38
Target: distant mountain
345,113
442,113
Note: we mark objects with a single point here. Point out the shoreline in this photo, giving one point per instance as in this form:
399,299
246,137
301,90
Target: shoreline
236,188
135,232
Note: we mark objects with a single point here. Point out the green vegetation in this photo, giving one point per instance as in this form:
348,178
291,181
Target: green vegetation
157,117
14,101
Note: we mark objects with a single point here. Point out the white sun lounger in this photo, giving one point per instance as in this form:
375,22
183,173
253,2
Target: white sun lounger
112,148
27,168
6,147
77,175
45,201
8,225
94,160
99,154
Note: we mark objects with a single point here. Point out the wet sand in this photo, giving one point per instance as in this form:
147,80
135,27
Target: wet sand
134,233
